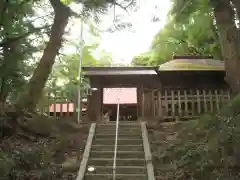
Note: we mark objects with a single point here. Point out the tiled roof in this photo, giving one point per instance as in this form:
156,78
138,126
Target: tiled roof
192,64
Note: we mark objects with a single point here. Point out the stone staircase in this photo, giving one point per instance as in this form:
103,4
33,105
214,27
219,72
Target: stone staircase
130,163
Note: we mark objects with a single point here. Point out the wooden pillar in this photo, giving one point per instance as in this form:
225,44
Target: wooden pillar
140,106
95,105
143,103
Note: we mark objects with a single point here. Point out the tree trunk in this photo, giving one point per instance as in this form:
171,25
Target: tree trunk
33,91
229,40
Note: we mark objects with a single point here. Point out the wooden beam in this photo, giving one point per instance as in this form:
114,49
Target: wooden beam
147,151
86,152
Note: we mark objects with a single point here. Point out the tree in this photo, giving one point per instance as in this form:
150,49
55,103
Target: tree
226,17
33,91
64,78
142,60
192,33
16,48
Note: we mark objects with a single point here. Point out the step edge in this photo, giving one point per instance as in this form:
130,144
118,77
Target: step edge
141,175
117,151
122,167
121,159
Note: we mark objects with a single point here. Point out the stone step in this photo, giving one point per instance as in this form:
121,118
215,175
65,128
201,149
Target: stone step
120,131
119,170
100,147
120,127
120,154
107,136
119,162
118,177
120,141
119,124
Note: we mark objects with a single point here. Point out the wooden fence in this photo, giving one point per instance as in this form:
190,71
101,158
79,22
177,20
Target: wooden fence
182,104
60,106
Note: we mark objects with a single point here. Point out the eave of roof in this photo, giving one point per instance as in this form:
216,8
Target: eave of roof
192,65
113,71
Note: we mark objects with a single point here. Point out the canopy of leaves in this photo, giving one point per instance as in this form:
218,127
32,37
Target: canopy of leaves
204,149
192,33
64,80
16,46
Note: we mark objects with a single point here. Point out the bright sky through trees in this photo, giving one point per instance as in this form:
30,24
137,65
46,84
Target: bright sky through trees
124,45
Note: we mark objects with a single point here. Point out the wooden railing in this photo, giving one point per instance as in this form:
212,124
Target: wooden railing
182,104
59,106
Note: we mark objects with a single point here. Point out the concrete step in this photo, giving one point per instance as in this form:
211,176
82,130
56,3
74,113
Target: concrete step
124,136
120,124
118,177
119,162
119,170
120,154
120,131
120,141
100,147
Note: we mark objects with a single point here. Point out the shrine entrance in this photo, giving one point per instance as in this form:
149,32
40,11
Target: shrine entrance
127,99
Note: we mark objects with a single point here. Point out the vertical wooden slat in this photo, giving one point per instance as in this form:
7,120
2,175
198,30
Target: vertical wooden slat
67,108
173,104
179,103
55,107
222,98
61,102
217,100
198,102
143,103
228,95
159,103
153,103
166,102
185,103
204,101
193,103
211,100
48,104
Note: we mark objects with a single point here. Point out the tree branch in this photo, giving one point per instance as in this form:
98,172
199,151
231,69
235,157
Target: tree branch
125,8
11,40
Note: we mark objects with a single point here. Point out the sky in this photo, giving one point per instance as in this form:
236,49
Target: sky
124,45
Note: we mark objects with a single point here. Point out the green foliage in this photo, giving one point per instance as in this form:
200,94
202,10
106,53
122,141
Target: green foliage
142,60
6,164
190,30
64,79
16,48
204,149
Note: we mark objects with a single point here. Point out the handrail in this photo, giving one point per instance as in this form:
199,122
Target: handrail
116,143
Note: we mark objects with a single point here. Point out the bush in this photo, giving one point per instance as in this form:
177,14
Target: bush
205,149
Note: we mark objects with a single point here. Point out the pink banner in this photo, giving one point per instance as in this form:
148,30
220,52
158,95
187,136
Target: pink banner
121,95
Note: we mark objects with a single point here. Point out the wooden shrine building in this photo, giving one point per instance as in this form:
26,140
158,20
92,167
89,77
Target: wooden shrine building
182,88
